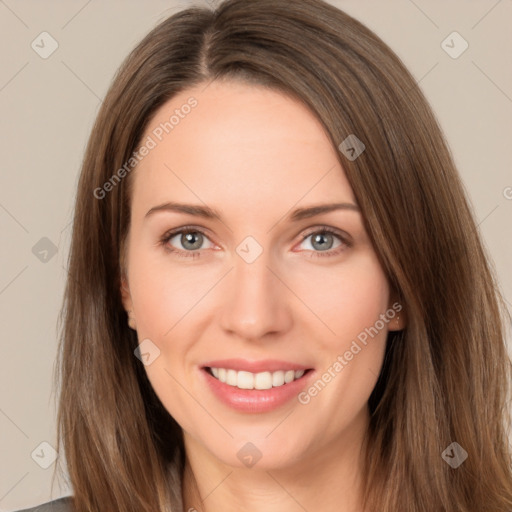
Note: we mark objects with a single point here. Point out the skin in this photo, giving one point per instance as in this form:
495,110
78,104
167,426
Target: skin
255,155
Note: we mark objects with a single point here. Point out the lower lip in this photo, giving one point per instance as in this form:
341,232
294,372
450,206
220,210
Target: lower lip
255,400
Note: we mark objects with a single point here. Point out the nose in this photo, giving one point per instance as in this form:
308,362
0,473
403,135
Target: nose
257,302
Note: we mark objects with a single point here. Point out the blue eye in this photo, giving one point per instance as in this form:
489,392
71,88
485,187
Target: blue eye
319,235
193,238
189,235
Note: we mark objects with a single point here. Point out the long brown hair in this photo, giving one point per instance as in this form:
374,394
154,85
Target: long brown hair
445,378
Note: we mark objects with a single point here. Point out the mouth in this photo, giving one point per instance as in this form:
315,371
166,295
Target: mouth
264,380
255,386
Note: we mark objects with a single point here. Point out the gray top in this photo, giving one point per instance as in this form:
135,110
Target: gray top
60,505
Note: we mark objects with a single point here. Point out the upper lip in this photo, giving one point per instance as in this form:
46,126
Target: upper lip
265,365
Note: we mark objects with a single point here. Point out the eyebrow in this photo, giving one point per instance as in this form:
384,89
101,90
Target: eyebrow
210,213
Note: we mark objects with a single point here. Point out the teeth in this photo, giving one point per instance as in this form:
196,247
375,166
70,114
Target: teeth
289,376
262,380
231,377
245,380
277,379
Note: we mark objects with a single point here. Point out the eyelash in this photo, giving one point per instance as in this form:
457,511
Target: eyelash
319,230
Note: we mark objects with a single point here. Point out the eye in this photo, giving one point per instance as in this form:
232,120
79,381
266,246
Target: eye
322,239
190,238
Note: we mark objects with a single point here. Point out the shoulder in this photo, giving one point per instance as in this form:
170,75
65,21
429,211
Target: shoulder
60,505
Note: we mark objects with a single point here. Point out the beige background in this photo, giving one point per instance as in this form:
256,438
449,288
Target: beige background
48,107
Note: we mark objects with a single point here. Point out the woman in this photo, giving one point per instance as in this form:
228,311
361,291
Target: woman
257,369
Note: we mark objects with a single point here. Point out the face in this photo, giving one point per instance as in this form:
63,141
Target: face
249,285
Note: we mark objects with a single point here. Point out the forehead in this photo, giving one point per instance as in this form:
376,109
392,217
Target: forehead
232,144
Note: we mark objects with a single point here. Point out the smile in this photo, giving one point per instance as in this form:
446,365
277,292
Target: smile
261,380
257,386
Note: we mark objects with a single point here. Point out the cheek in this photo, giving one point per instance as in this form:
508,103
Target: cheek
163,297
165,294
352,298
351,351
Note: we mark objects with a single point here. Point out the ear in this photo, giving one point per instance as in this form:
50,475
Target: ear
396,313
127,299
